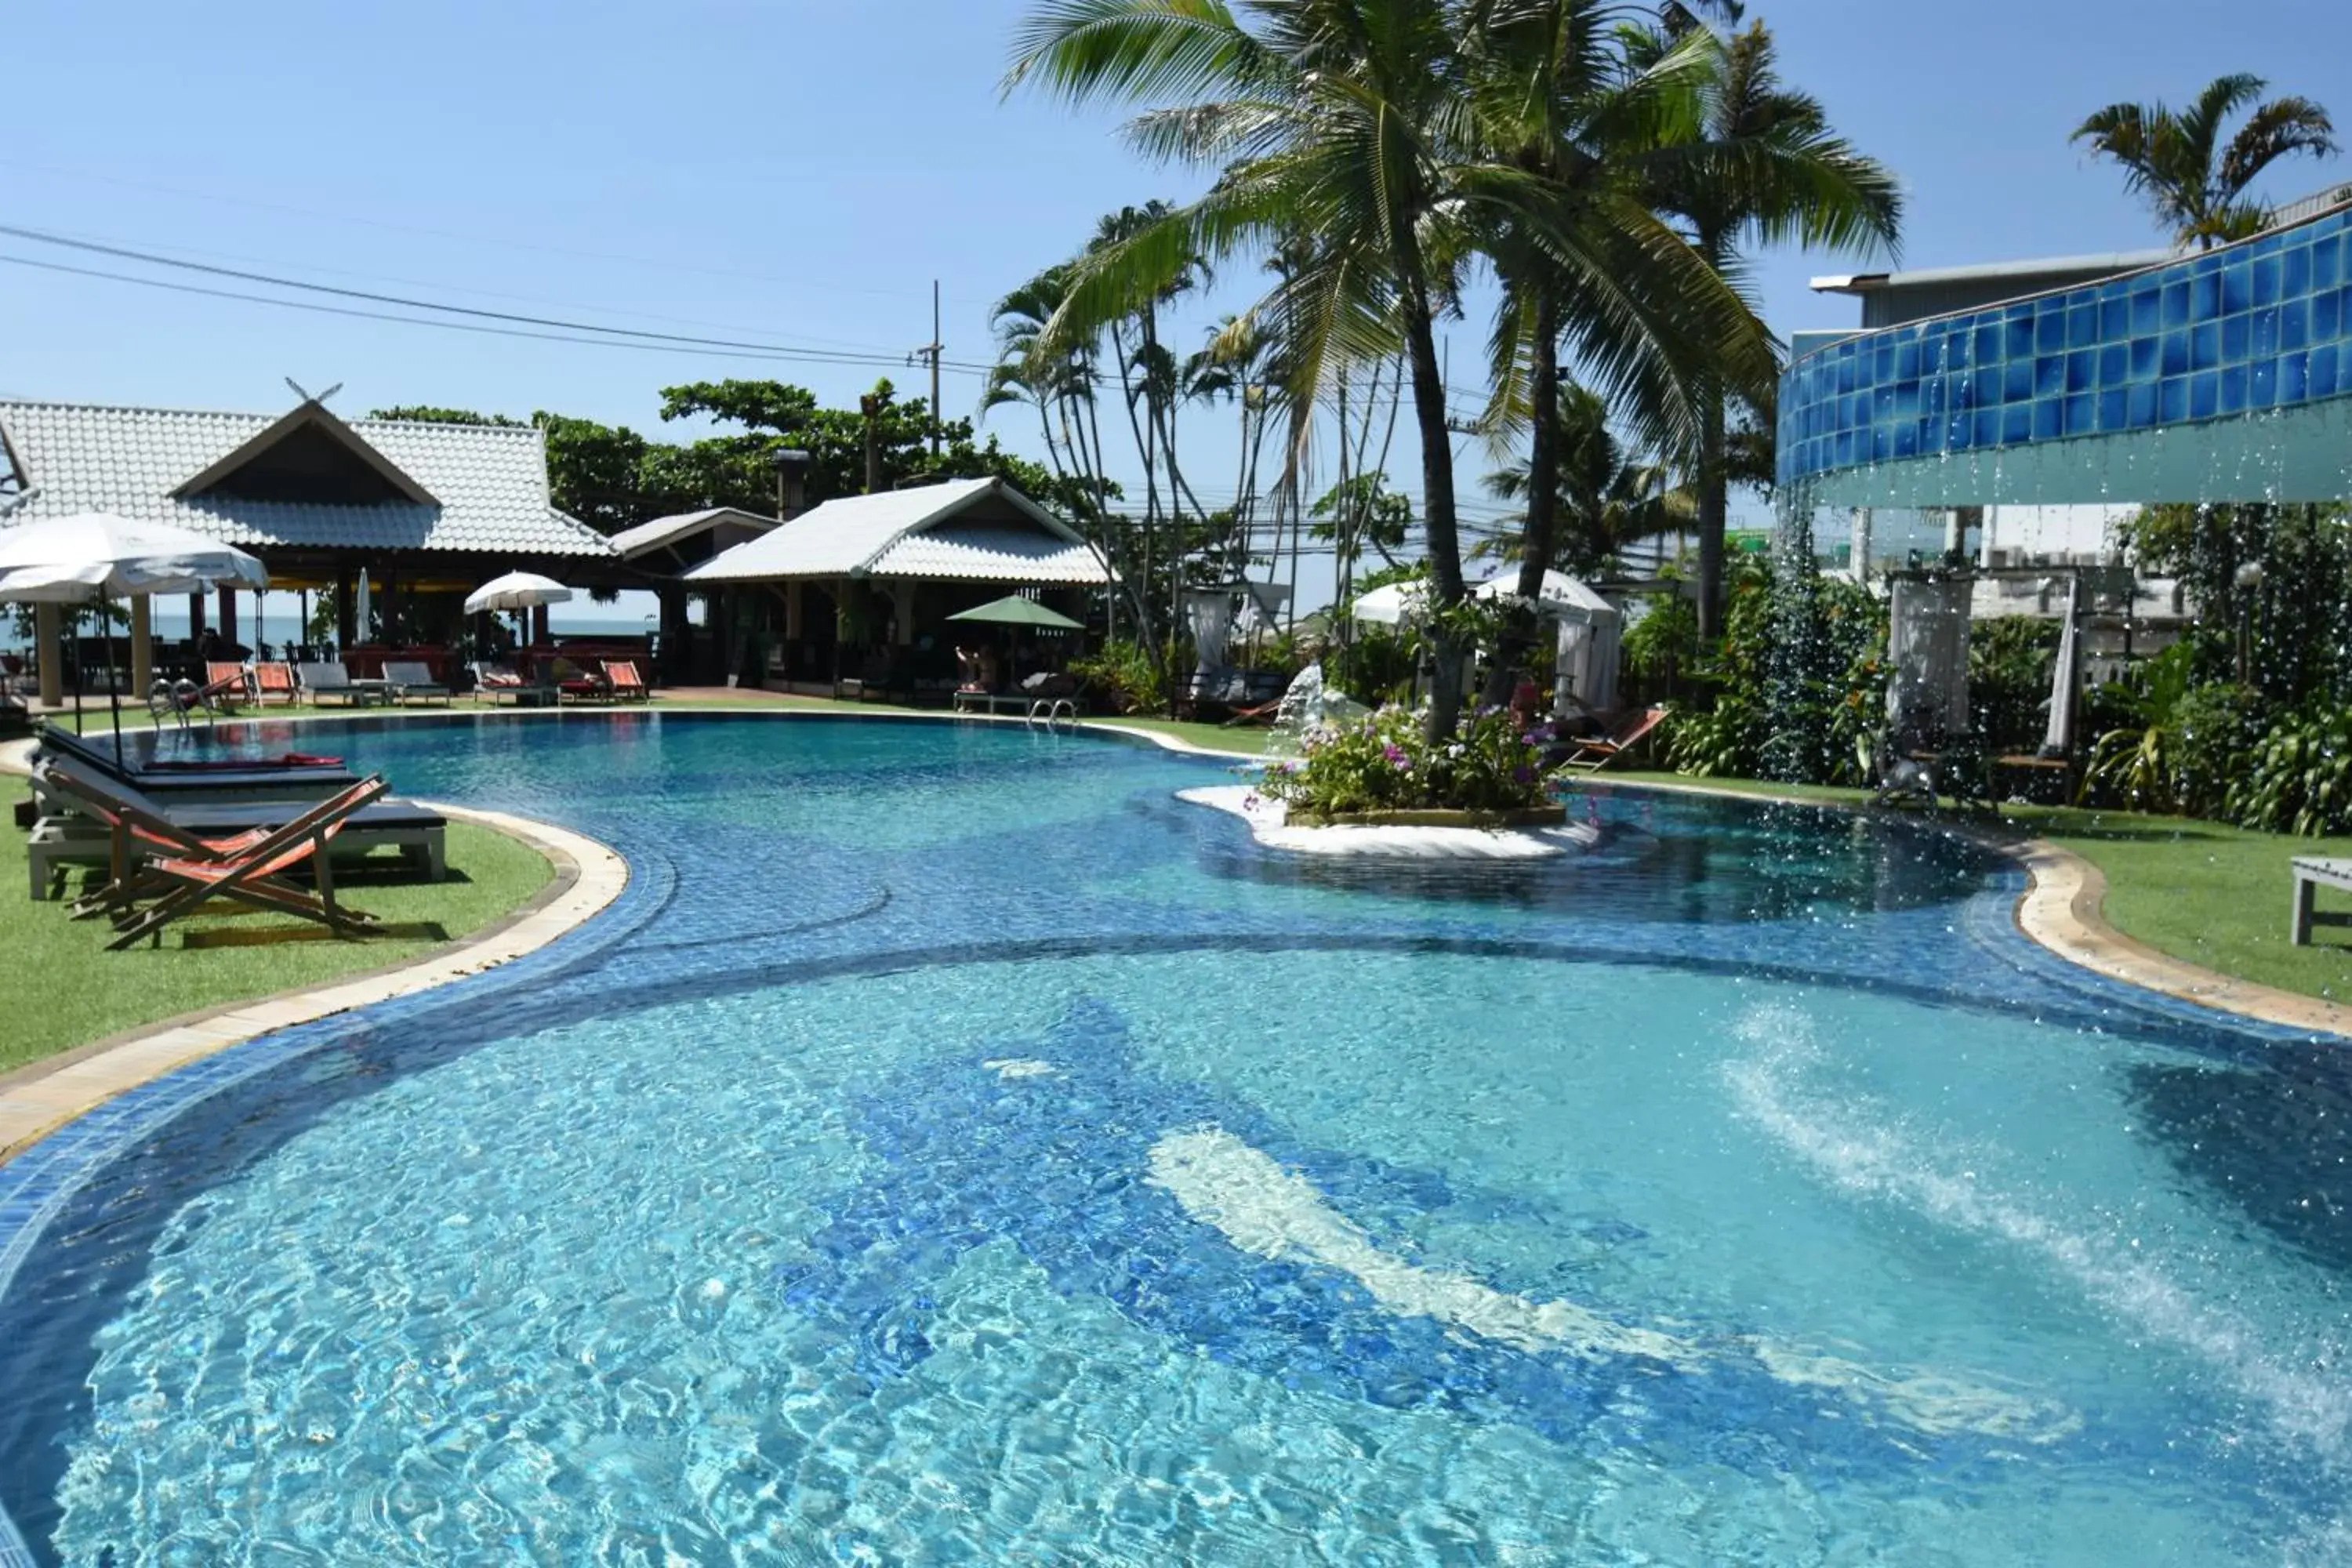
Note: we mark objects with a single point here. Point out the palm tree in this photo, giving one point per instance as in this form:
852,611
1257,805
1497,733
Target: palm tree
1767,169
2177,161
1607,498
1358,123
1595,132
1332,118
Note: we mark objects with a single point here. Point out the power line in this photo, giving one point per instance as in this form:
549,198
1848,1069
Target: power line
408,302
792,355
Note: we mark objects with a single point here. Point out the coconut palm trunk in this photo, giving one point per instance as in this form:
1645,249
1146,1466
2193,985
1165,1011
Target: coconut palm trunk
1540,533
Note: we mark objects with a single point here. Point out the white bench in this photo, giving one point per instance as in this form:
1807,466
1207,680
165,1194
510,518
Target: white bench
2311,871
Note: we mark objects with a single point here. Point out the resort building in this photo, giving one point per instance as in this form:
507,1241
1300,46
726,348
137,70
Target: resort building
859,589
428,510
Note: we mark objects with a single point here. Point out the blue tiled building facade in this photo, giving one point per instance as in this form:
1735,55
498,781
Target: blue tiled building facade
2263,325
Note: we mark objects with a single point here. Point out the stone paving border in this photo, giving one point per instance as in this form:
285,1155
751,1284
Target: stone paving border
39,1098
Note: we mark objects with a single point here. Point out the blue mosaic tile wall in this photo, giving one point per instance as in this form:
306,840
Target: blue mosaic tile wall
2260,325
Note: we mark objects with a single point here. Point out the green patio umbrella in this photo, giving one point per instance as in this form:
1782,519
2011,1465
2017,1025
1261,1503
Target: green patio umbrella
1015,611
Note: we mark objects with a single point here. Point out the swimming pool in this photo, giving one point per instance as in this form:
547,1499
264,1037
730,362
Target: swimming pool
953,1149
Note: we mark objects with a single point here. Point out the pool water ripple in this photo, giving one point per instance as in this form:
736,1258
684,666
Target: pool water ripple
952,1149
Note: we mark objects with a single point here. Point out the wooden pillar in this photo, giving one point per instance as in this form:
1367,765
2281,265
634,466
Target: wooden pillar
228,614
387,600
346,592
49,633
793,621
143,646
538,632
195,616
675,666
902,614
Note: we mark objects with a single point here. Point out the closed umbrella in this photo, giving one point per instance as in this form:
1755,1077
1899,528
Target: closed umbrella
94,555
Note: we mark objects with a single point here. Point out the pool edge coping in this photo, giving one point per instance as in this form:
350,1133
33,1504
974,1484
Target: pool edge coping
45,1096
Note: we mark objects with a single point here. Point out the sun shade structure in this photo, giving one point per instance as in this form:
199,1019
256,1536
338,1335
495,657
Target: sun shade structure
1017,611
88,555
516,591
980,531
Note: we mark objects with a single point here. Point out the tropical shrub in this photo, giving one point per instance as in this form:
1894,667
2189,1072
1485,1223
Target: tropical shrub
2301,776
1125,676
1383,762
1377,664
1797,683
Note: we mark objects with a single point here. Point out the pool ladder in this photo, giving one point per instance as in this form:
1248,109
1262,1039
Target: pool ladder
1055,714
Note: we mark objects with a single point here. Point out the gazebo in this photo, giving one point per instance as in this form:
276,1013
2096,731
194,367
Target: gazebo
862,588
423,509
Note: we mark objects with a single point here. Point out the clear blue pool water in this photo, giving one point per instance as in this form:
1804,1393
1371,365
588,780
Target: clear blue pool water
953,1149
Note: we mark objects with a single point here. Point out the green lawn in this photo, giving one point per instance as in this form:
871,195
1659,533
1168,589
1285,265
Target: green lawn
2203,892
75,991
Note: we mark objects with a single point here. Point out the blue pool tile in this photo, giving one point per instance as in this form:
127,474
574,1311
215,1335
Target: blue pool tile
2293,378
2049,376
2146,311
2237,332
2294,325
2205,346
2114,409
2143,354
2050,419
2115,319
2326,320
2204,394
2172,400
1987,345
2237,287
2262,389
2142,405
1907,440
2294,279
2016,424
2082,327
2019,335
2017,381
2266,282
2266,332
2050,330
1960,432
2233,389
2205,297
2176,304
2326,376
2115,364
2082,370
2176,353
2326,263
2083,415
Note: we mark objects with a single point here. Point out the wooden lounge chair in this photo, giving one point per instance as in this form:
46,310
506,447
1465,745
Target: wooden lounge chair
626,685
413,678
255,874
1590,753
226,686
274,680
93,819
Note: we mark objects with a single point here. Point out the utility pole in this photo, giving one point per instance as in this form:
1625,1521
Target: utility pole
929,354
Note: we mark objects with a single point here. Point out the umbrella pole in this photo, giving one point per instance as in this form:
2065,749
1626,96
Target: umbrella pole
114,691
74,639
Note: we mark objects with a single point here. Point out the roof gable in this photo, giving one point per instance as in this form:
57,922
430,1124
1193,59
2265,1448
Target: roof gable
485,485
307,456
858,536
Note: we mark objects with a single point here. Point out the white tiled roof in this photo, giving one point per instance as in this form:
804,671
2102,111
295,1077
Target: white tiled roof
490,481
990,553
661,531
914,533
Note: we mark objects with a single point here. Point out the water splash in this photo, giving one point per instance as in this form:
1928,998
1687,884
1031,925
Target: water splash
1860,1149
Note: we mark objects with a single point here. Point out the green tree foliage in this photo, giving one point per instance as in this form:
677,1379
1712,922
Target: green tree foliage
1606,497
2177,161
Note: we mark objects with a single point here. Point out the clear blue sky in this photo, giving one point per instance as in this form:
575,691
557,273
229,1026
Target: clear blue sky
793,171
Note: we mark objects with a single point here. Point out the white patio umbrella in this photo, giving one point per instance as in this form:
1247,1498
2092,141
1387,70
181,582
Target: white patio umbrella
516,591
92,556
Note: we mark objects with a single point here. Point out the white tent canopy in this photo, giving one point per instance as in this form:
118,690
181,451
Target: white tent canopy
516,591
98,554
1562,596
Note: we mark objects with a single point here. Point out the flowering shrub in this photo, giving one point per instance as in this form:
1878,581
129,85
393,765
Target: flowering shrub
1383,762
